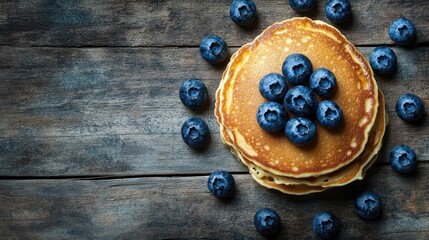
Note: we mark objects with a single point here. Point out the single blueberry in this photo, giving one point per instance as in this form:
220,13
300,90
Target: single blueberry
267,221
195,132
300,101
403,159
409,107
323,82
271,116
302,5
242,12
273,87
402,31
300,130
325,225
329,114
221,184
368,205
213,49
193,94
297,69
338,11
383,60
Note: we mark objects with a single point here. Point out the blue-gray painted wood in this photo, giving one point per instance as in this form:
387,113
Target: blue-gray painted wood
165,23
182,207
90,89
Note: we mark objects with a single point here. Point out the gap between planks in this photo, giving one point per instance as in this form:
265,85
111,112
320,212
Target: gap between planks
418,45
111,177
134,176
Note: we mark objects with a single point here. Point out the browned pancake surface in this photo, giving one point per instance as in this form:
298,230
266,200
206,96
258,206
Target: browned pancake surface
239,99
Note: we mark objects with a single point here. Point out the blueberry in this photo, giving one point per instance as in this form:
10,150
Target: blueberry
242,12
409,107
213,49
329,114
302,5
383,60
403,159
300,130
368,205
267,221
301,101
325,225
338,11
271,116
402,31
193,94
221,184
323,82
195,132
297,69
273,87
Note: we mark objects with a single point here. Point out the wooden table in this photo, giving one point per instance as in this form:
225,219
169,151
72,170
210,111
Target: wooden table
90,124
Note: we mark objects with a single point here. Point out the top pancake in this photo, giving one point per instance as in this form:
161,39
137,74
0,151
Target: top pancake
357,95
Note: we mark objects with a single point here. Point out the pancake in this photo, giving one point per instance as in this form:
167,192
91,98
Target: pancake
289,189
343,176
238,98
299,189
296,189
268,182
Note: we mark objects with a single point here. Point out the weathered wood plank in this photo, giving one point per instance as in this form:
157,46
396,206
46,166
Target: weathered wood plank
28,154
182,207
160,23
102,111
129,88
148,154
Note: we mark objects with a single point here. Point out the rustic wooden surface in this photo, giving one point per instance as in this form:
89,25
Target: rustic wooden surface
90,133
181,207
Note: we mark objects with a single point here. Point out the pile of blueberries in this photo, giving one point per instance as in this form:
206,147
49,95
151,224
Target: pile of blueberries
301,101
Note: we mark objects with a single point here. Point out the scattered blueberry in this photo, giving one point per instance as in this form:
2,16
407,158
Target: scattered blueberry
301,101
193,93
302,5
402,31
368,205
273,87
383,60
242,12
300,130
409,107
403,159
195,132
221,184
271,116
213,49
323,82
267,221
297,69
329,114
338,11
325,225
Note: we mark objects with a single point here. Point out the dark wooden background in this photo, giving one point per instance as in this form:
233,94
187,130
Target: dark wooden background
90,144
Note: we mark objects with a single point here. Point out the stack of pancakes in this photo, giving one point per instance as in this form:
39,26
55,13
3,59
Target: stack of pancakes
335,157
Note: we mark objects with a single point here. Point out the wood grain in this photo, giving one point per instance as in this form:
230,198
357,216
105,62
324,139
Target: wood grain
114,111
90,144
166,23
183,208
